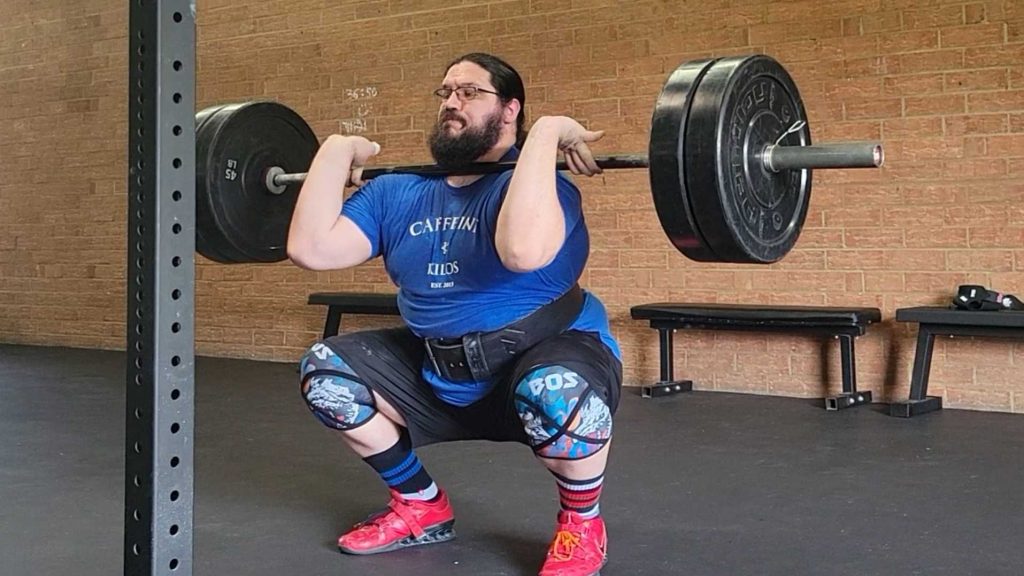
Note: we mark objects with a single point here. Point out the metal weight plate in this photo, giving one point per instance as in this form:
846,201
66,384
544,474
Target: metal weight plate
211,241
239,217
204,246
747,214
667,165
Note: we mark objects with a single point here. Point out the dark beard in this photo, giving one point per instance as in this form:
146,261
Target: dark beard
465,148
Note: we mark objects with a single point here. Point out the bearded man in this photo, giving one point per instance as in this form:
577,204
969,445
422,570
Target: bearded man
499,341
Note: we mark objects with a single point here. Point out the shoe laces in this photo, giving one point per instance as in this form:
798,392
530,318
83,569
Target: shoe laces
564,544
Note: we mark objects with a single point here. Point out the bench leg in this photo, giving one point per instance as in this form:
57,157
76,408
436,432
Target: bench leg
666,385
333,323
850,397
919,402
922,363
667,354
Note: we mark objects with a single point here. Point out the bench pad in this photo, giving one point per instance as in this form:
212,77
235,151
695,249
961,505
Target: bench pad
358,302
756,315
941,315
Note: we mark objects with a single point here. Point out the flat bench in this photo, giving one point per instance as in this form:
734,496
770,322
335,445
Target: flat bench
843,323
939,321
339,303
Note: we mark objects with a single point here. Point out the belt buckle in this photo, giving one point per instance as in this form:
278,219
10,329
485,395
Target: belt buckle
433,359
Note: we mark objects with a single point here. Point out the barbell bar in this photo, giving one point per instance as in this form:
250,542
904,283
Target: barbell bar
277,179
729,159
775,158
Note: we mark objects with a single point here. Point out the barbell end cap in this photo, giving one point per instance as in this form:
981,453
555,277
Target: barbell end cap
271,180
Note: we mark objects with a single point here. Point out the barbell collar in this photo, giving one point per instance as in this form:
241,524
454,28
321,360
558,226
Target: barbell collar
777,158
275,186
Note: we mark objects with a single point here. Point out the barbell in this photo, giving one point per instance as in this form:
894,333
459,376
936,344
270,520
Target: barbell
729,160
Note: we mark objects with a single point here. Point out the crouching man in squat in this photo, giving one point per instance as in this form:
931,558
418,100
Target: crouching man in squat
500,341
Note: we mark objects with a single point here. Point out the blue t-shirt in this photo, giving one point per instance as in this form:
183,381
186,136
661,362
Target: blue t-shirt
437,242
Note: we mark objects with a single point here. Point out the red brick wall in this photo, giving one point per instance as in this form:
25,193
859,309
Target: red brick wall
942,84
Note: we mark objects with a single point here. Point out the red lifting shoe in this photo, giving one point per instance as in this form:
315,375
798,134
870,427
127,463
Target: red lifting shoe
405,523
580,547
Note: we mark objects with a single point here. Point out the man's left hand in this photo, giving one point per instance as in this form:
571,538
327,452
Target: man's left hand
573,141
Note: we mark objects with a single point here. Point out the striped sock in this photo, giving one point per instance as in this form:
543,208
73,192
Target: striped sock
580,496
402,471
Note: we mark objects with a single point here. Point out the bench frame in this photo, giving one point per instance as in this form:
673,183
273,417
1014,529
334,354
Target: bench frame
845,334
353,303
920,402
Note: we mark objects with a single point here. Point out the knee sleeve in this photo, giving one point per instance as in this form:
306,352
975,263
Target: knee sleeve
563,416
333,391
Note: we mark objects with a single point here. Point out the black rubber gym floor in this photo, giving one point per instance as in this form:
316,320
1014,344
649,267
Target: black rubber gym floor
702,483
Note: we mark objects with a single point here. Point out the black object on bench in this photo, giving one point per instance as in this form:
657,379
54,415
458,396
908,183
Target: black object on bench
935,321
843,323
339,303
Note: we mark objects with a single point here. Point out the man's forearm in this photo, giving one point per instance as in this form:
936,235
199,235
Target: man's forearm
320,201
531,226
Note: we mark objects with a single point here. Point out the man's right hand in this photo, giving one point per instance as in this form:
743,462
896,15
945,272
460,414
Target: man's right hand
319,237
362,150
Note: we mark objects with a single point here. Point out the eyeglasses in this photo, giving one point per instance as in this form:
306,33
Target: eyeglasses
464,93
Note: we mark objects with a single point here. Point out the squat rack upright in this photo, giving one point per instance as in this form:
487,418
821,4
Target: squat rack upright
160,289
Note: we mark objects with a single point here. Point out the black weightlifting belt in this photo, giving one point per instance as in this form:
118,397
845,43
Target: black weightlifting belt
477,356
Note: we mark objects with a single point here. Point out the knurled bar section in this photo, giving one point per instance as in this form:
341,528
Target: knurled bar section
160,286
